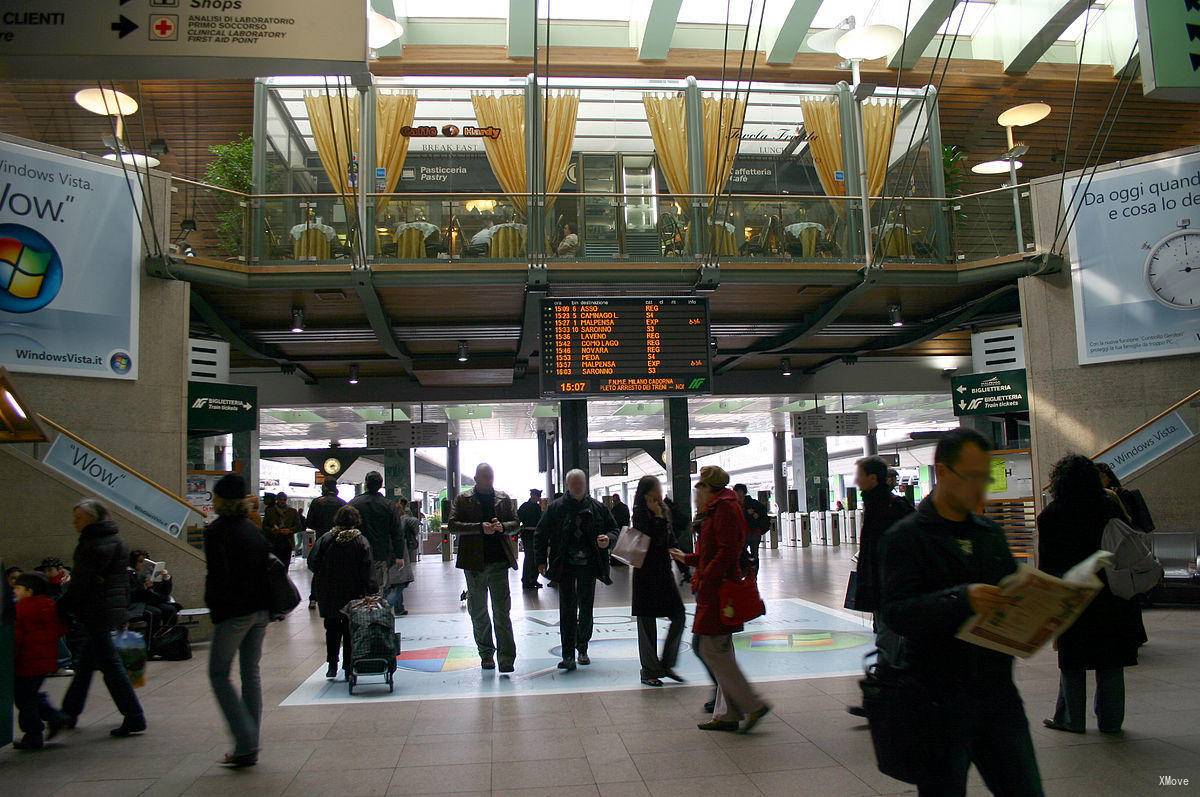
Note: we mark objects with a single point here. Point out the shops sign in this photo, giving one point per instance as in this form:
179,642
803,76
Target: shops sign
215,408
991,393
1168,34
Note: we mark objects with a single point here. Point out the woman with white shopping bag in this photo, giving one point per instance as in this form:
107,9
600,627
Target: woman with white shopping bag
655,593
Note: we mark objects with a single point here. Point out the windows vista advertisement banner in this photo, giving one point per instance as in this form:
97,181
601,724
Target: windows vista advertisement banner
70,257
1135,260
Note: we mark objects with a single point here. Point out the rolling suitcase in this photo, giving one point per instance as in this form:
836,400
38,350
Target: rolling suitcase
374,642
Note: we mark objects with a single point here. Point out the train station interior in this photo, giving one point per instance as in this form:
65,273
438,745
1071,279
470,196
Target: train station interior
364,248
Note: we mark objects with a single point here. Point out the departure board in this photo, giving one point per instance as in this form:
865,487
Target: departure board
625,346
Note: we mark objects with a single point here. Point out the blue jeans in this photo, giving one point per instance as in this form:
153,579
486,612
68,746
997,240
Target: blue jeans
97,652
33,707
243,714
395,597
1070,710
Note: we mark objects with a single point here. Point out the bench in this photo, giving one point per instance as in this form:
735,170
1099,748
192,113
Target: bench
1179,553
198,623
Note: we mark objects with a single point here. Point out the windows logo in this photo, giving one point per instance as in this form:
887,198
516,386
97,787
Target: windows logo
31,272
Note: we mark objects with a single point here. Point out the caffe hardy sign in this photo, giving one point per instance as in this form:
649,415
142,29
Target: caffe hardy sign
214,408
990,393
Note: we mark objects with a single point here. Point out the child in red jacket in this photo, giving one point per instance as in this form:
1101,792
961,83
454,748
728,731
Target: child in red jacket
38,630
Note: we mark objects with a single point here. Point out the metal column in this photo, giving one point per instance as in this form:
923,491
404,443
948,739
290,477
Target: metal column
573,426
937,175
847,113
535,170
780,456
258,169
694,103
678,451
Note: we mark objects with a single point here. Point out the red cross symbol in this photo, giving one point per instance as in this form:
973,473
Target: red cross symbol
163,27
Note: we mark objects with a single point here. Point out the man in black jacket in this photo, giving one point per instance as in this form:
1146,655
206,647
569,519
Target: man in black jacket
941,566
573,543
381,527
484,521
98,597
320,520
882,508
530,514
758,522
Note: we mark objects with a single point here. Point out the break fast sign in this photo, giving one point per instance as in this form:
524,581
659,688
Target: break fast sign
128,39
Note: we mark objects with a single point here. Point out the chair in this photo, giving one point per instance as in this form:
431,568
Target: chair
673,243
410,244
895,242
723,242
311,245
507,242
805,243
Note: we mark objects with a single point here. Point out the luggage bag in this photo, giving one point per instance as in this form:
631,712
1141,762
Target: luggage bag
374,642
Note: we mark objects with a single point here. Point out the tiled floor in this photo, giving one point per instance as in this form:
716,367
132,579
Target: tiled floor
614,744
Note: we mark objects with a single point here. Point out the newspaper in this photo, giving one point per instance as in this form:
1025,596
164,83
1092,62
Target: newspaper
1043,607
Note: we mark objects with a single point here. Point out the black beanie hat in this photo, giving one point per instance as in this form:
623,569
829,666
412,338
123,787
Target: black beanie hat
231,487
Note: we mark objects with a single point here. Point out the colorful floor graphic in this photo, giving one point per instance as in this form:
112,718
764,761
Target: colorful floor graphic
795,640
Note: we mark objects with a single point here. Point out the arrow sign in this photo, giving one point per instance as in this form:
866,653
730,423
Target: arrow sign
962,389
126,26
1195,61
962,405
1193,31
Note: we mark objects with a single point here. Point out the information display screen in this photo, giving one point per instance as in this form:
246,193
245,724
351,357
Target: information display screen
625,346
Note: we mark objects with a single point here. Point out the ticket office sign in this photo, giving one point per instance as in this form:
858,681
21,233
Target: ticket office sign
625,346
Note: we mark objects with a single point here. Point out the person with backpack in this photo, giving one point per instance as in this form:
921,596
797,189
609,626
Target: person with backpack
1105,637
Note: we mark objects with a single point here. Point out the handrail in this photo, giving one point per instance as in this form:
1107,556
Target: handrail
134,471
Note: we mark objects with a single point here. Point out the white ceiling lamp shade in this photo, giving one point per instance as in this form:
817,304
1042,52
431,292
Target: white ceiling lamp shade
134,159
381,30
995,167
1022,115
106,102
826,41
869,42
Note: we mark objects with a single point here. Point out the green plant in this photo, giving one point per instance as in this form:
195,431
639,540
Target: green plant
954,172
232,168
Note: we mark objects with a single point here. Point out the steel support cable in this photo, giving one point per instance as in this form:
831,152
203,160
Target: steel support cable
360,239
698,190
1058,213
146,188
1096,165
908,157
112,121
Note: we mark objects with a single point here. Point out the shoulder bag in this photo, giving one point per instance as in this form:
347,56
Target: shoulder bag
631,547
282,595
739,599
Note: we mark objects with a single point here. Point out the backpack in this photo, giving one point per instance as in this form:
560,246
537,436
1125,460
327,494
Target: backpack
1135,569
173,644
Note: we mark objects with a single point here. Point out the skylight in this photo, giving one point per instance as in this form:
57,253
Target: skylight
970,15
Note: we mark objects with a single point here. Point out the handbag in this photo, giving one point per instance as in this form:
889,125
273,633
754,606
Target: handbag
631,547
911,722
851,601
739,600
282,595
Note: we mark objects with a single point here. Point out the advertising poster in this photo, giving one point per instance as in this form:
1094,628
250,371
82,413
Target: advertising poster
1135,261
70,256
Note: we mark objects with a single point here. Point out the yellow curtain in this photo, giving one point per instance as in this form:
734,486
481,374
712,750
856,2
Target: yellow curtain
823,124
879,126
723,120
334,119
667,116
506,153
393,111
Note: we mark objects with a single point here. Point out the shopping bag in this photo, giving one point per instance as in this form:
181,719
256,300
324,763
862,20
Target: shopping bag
281,592
851,600
631,547
131,646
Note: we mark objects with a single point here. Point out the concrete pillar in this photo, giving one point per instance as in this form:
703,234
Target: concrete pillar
810,470
453,485
573,424
397,472
678,450
245,456
780,441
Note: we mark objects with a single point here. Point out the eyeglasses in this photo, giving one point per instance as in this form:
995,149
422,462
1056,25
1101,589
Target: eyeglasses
975,478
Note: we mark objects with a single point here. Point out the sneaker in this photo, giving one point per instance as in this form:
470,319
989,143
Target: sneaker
331,672
729,726
487,664
567,664
128,728
506,667
584,659
239,761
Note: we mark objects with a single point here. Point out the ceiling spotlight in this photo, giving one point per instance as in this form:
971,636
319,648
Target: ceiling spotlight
134,159
894,315
785,366
354,374
106,102
297,319
995,167
382,30
462,351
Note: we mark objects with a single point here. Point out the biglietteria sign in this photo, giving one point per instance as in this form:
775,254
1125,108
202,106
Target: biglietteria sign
990,393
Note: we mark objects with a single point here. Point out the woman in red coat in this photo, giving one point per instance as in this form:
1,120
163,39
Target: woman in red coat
722,538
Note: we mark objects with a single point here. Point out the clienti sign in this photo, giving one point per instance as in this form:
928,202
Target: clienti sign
110,481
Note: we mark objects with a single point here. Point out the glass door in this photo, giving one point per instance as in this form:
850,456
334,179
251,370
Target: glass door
601,219
641,206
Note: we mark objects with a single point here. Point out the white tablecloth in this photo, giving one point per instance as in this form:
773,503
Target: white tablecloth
425,227
299,229
801,226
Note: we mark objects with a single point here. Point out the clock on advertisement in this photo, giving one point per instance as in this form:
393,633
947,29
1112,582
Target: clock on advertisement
332,466
1173,268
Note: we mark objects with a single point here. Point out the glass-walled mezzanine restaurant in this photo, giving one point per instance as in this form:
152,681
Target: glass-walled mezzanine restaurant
443,173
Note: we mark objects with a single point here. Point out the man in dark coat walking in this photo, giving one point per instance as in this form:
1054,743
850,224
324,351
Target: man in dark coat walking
573,543
882,508
758,521
530,514
320,520
941,565
381,527
98,597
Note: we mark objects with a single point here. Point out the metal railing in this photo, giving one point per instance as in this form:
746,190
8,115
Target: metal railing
593,227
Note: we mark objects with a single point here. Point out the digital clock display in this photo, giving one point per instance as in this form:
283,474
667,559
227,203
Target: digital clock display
625,347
